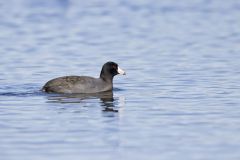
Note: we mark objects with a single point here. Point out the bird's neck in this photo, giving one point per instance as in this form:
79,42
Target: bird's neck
106,76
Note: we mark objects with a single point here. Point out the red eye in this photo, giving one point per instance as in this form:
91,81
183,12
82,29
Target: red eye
114,66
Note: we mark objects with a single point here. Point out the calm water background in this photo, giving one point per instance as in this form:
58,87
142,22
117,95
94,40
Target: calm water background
180,98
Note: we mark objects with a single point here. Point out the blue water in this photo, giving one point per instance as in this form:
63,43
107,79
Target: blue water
179,100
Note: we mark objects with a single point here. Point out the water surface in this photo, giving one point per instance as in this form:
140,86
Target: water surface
180,98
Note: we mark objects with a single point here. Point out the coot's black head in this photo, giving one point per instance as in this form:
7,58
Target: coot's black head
109,70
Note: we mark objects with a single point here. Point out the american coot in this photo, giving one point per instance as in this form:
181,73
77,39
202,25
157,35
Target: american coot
85,84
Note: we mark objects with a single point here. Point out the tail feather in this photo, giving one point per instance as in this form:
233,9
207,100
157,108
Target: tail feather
45,89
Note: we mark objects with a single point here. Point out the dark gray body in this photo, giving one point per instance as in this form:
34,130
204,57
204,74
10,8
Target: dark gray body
77,84
85,84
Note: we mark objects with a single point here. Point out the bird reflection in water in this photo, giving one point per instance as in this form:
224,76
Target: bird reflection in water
106,99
